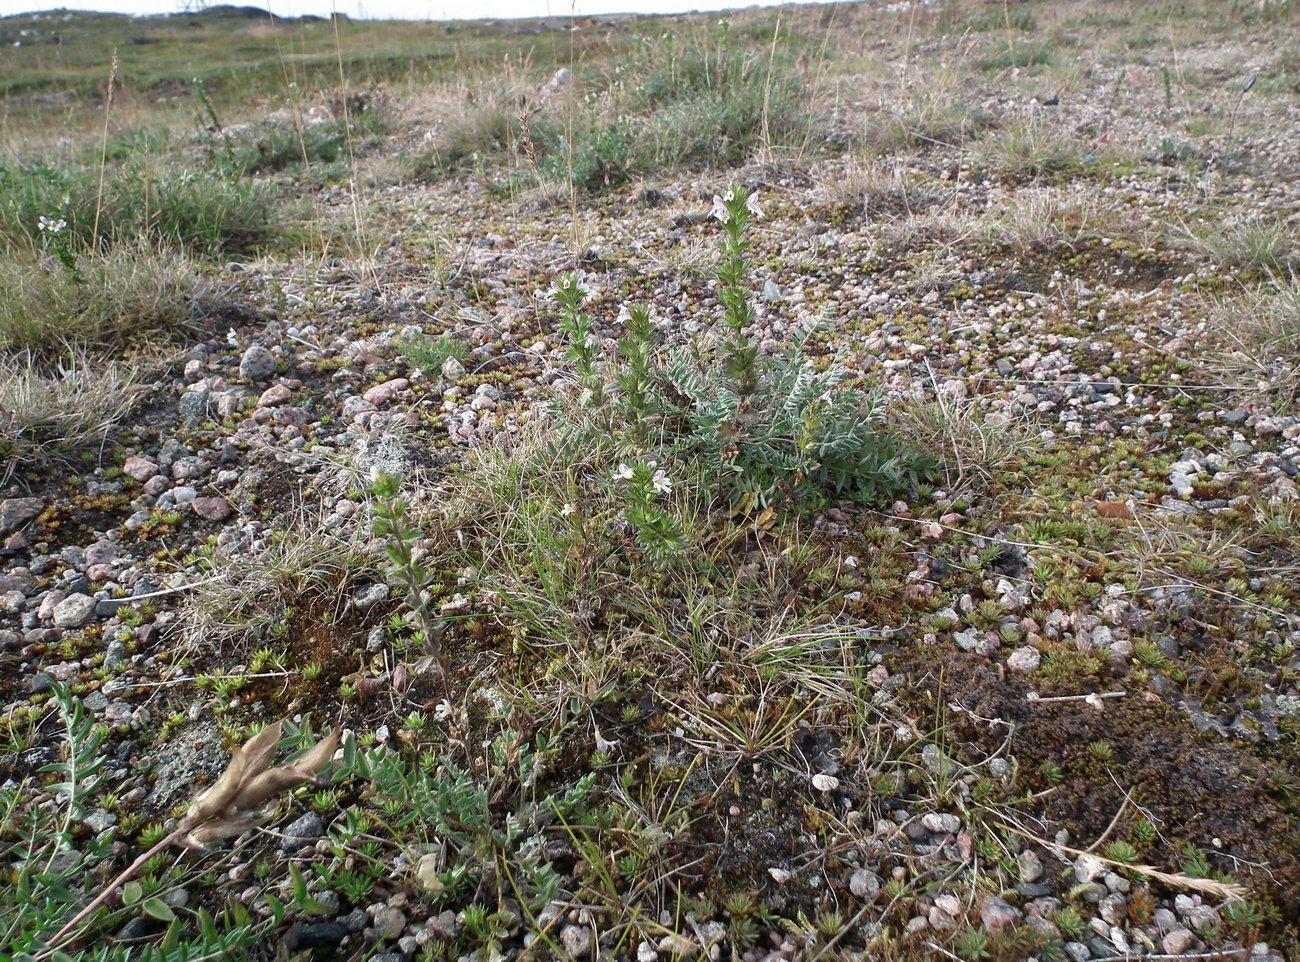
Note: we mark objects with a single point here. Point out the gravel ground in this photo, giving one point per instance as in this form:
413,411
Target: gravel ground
1062,324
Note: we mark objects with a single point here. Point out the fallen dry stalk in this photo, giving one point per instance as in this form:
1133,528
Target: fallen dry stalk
232,806
1205,886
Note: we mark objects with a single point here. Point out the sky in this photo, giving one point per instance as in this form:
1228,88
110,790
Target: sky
394,9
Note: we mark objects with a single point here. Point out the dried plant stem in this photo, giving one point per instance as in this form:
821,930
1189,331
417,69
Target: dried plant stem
1204,885
103,147
106,893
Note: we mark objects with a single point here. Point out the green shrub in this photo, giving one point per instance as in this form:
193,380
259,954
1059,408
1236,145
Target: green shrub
741,430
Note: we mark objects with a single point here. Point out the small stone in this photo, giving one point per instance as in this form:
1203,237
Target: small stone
308,828
389,923
577,940
1078,951
940,920
1024,660
1177,942
1088,867
678,946
274,396
941,823
212,509
452,369
16,512
371,595
825,783
996,915
74,611
321,935
192,406
100,821
645,952
382,394
139,468
257,364
1031,866
779,875
865,884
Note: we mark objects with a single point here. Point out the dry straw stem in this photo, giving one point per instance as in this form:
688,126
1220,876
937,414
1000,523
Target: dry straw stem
1205,886
232,806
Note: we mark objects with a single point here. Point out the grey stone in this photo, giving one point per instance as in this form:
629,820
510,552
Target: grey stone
996,915
74,611
257,364
577,940
941,823
1078,951
321,935
1031,866
16,512
865,884
389,922
100,821
308,828
193,406
371,595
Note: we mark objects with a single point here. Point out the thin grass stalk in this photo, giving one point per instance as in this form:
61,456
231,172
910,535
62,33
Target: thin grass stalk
103,145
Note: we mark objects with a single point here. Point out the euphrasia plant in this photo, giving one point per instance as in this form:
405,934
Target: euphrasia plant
750,431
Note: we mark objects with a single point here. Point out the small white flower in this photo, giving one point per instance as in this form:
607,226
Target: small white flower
720,209
443,710
851,562
661,483
47,225
567,510
751,204
232,338
624,473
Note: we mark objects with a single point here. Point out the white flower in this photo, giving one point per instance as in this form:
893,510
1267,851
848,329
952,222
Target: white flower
48,226
624,473
751,203
661,483
720,209
624,315
567,510
232,338
443,710
850,562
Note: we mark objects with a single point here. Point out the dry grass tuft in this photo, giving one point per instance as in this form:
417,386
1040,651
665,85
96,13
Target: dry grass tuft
112,300
1257,343
45,414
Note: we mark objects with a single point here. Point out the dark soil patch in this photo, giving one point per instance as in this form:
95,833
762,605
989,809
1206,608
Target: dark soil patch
1196,788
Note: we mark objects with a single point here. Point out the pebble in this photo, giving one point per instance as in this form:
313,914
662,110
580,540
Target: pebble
139,468
995,914
1024,660
941,823
212,509
302,830
577,940
865,884
257,363
74,611
1031,866
388,922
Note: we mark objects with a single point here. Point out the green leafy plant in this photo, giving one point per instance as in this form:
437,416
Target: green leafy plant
752,431
407,568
